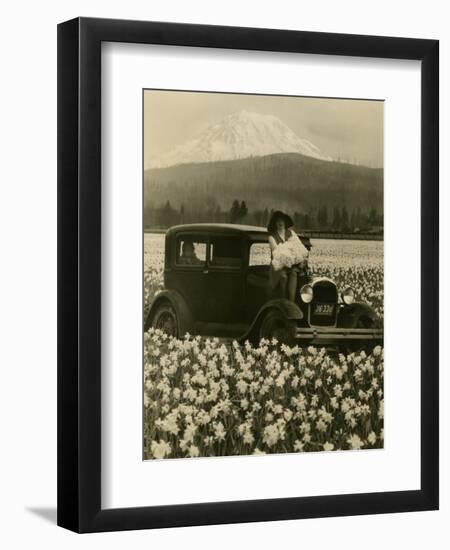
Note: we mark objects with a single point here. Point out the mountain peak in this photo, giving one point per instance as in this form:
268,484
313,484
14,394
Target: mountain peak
239,135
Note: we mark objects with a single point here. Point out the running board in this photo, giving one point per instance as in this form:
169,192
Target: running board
339,334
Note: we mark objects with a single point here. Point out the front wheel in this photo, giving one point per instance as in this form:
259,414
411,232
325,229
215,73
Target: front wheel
165,319
276,325
368,346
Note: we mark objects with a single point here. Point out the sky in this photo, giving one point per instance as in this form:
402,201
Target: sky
344,129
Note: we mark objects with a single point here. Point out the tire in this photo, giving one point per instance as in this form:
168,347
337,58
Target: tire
165,319
276,325
361,322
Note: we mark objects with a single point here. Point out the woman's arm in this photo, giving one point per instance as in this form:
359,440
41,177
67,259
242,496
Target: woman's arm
272,243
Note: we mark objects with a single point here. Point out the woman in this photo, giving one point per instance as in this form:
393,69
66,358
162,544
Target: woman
280,230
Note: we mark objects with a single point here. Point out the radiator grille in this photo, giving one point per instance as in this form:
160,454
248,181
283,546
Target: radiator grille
323,308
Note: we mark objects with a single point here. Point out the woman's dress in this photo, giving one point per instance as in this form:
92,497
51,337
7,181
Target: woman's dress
277,275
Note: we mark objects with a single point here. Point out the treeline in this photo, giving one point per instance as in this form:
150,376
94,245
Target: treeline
337,219
289,182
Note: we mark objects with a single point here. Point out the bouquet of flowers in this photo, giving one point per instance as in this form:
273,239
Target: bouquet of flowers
289,253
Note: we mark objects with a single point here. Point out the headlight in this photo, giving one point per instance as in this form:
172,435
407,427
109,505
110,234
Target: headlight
306,293
348,296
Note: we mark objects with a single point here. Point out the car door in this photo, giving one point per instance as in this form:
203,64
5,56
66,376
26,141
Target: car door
190,270
225,280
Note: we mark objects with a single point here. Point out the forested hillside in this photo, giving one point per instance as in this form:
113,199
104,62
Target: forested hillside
322,194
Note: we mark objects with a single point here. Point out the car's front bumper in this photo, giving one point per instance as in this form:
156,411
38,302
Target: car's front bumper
329,336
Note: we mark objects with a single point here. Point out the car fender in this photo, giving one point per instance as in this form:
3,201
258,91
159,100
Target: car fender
177,301
286,307
349,314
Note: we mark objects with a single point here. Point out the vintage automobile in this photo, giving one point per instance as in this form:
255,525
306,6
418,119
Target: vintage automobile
216,279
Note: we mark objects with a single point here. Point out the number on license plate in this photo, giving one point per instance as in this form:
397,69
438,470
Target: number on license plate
323,309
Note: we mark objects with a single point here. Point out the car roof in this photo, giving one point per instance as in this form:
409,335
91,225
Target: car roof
251,231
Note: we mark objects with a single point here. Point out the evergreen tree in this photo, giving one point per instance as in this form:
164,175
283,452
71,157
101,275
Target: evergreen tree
344,219
325,217
319,217
322,218
336,219
258,217
243,210
235,211
168,215
358,219
373,216
353,220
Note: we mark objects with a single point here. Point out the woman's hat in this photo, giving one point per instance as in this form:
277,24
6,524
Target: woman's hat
275,217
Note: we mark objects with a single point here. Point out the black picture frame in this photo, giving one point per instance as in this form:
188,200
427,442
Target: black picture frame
79,274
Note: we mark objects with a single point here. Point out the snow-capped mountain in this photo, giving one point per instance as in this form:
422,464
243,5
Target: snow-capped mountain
237,136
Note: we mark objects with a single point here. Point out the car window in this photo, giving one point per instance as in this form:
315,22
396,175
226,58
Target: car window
191,251
226,252
259,254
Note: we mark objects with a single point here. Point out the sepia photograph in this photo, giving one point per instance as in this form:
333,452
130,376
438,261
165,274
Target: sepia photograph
248,227
263,274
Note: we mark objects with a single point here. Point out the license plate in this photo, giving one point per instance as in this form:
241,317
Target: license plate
323,309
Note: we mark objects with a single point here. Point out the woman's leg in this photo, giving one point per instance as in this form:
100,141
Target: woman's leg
292,285
283,283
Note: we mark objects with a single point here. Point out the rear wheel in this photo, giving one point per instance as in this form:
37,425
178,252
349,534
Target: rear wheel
276,325
165,319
